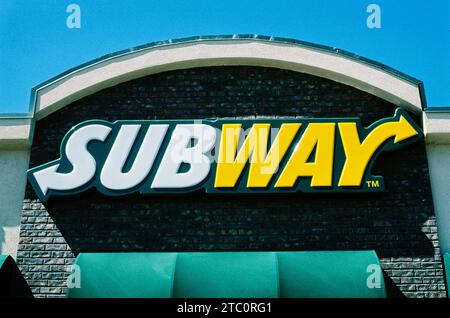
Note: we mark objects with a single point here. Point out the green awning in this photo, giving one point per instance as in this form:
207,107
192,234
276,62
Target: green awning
115,275
225,274
228,274
447,270
330,274
12,283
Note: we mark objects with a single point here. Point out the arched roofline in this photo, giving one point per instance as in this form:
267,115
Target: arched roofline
250,50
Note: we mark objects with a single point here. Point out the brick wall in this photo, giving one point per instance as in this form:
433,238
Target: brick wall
399,223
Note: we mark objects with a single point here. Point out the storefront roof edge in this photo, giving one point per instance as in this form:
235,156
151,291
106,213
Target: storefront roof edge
437,109
16,132
242,49
436,123
225,37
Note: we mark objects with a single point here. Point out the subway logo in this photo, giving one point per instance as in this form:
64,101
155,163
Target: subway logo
264,155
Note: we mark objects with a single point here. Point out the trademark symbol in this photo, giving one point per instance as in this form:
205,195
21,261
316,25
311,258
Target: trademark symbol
373,183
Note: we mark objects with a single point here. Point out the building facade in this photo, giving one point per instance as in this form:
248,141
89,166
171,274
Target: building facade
234,78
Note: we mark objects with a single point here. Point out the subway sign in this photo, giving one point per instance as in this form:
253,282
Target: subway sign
264,155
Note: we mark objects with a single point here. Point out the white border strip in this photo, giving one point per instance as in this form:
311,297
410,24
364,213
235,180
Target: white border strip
436,127
110,72
16,133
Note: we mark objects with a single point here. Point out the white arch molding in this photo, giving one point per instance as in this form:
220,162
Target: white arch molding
323,62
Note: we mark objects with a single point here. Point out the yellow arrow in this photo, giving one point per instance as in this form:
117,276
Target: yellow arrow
358,154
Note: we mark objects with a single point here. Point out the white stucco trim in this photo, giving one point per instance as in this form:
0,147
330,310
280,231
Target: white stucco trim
439,168
123,67
13,168
16,133
436,127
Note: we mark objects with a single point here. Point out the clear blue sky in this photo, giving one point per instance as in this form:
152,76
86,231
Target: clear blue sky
36,44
